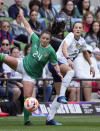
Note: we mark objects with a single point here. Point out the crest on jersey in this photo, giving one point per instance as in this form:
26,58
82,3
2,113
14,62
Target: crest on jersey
77,45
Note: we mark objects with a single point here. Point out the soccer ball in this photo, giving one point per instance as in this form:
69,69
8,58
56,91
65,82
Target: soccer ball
31,104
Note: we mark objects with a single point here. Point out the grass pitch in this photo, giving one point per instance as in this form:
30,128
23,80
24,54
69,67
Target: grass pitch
70,123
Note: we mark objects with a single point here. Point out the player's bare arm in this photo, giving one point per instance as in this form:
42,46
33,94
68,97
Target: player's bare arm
65,53
87,57
26,24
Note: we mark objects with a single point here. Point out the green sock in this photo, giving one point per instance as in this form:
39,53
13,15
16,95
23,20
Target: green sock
2,57
26,113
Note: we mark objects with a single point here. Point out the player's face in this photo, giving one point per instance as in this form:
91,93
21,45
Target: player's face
45,39
78,29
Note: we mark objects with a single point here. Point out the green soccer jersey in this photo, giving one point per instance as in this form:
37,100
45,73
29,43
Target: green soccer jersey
35,61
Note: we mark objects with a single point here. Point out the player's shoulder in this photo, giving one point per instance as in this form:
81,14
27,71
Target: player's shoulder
82,39
33,35
71,35
51,49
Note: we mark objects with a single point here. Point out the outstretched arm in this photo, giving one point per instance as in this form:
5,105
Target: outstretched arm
26,24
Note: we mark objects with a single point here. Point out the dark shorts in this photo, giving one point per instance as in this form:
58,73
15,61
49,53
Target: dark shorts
56,77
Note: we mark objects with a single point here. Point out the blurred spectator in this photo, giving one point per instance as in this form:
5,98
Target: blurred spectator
14,85
87,21
35,25
75,2
17,20
97,14
3,12
18,30
58,28
13,9
34,5
82,7
96,84
5,46
47,11
68,12
96,53
48,84
73,92
44,90
5,32
58,32
27,49
3,92
93,36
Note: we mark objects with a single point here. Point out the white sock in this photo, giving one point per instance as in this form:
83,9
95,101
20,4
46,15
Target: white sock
55,105
66,81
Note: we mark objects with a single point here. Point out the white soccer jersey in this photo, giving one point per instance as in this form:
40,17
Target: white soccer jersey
74,47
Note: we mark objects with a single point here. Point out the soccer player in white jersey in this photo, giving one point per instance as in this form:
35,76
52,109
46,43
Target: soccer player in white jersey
69,49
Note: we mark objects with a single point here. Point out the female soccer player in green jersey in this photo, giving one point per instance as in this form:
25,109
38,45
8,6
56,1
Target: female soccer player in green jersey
31,66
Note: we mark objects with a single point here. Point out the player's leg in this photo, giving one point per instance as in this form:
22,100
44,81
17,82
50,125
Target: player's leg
55,105
28,90
68,75
10,61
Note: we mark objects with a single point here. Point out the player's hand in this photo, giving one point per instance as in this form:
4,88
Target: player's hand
21,13
71,64
60,75
92,71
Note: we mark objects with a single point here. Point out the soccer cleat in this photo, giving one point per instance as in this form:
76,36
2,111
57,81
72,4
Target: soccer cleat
53,122
62,99
28,123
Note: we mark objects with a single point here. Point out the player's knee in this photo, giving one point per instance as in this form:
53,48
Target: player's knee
71,72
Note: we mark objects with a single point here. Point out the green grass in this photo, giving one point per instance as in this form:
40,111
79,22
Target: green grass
70,123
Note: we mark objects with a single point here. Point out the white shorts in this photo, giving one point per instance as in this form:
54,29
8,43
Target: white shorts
21,70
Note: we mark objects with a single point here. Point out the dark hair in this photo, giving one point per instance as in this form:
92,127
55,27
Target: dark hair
91,31
26,48
11,50
46,32
50,6
33,11
58,28
97,11
34,2
66,11
80,6
77,22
